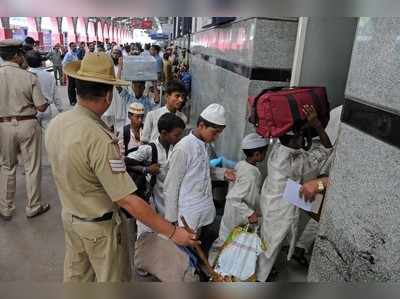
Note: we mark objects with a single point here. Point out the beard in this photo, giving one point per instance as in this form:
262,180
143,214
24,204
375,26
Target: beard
115,60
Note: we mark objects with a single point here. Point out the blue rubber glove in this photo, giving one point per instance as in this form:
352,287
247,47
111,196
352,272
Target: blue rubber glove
216,162
228,163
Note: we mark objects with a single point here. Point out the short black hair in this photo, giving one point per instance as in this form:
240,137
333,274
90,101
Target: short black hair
250,152
157,48
29,40
169,121
7,53
175,86
92,90
209,124
33,58
71,43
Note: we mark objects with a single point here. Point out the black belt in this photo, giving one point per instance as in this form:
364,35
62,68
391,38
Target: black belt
105,217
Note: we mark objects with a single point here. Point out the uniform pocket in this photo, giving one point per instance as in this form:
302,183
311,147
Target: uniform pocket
95,236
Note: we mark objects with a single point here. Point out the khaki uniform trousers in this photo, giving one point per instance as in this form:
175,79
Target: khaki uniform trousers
23,137
96,251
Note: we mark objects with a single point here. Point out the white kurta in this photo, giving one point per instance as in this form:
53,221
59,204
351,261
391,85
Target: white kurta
117,114
144,153
187,187
242,200
150,127
308,236
133,142
48,88
279,217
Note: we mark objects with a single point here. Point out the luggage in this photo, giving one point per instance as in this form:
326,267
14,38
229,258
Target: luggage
143,184
277,110
140,68
237,260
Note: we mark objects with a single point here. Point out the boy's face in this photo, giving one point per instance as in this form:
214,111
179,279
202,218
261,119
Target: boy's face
175,100
209,134
260,156
172,137
136,119
138,89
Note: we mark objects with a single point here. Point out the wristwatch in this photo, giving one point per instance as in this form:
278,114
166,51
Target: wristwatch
320,186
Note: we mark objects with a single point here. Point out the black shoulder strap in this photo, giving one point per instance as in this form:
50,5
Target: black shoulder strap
127,137
154,160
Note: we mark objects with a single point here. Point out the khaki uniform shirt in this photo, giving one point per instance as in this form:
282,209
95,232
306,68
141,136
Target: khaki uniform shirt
87,166
19,91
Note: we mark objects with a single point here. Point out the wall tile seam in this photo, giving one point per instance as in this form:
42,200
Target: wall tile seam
251,73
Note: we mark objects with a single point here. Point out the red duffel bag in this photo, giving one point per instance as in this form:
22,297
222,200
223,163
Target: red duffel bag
276,110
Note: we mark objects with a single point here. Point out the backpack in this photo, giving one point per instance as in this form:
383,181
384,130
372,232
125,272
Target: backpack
277,110
144,187
127,138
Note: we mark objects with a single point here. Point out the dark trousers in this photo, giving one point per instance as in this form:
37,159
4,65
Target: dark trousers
58,74
71,91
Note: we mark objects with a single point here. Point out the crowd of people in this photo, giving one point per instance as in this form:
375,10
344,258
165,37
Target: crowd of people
120,153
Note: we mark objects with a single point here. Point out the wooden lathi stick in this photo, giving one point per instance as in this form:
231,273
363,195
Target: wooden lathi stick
214,275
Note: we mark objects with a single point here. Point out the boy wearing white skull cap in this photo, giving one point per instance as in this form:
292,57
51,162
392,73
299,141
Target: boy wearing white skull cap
243,197
187,187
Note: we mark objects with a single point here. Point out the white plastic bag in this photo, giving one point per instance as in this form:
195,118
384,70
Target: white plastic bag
238,257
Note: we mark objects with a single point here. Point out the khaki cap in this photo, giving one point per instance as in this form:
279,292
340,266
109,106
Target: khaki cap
95,67
10,43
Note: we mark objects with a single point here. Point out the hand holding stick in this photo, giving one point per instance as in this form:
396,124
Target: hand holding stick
214,275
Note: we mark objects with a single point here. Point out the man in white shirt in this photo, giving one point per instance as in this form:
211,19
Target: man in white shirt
175,93
116,115
288,159
48,87
187,187
136,94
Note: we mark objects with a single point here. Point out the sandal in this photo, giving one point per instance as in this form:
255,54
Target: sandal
43,209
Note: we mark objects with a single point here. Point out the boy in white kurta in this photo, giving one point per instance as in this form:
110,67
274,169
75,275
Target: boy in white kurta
287,160
187,187
151,250
175,95
242,200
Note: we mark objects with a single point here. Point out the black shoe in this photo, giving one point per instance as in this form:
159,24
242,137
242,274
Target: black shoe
299,255
273,275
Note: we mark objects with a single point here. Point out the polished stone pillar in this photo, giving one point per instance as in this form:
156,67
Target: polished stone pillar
359,236
231,62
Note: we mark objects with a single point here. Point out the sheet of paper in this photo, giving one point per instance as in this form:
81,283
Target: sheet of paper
291,194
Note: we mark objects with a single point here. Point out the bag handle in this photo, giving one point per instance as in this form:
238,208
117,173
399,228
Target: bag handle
253,118
154,160
126,137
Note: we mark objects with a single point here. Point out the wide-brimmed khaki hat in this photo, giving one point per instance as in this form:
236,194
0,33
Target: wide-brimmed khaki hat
94,67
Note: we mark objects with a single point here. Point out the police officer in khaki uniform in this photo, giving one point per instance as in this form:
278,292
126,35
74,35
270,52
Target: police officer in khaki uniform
92,181
20,132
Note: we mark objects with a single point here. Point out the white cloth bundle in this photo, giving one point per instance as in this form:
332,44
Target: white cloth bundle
239,257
